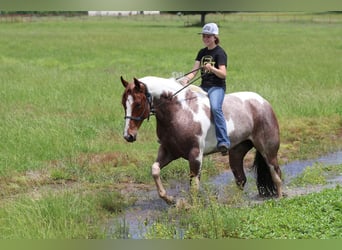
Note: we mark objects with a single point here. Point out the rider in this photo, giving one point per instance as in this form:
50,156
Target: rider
212,59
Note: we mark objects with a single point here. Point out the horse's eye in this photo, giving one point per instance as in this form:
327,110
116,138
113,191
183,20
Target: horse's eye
138,106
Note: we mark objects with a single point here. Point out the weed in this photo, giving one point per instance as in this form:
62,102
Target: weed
314,216
112,201
311,176
65,216
57,175
204,218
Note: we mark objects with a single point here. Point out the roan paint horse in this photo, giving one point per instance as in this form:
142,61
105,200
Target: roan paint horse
185,129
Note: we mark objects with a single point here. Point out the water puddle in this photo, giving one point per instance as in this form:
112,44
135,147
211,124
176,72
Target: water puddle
295,168
149,206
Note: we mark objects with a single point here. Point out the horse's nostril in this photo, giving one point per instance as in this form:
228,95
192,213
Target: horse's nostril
129,138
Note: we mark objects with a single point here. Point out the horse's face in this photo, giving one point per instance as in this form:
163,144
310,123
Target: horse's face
136,106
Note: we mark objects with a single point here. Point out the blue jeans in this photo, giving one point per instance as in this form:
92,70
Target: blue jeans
216,96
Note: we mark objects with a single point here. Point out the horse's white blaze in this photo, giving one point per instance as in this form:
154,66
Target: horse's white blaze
246,96
129,103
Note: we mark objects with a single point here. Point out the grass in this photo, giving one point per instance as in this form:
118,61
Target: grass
314,216
71,214
64,216
316,175
61,118
311,176
60,93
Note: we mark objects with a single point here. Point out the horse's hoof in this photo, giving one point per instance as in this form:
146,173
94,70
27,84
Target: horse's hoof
283,195
170,200
182,204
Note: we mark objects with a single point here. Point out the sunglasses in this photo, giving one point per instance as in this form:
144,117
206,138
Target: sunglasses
206,36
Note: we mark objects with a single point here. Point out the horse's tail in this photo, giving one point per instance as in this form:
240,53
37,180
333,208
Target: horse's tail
265,184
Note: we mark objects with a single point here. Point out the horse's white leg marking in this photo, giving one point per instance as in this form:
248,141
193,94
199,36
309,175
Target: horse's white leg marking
200,160
160,187
129,103
195,167
195,183
276,179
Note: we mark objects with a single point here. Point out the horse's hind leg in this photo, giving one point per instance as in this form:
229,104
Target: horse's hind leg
275,173
236,155
268,172
162,160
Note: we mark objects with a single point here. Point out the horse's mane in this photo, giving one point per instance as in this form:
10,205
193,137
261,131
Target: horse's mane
157,85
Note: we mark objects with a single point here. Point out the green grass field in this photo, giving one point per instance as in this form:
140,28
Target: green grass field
61,119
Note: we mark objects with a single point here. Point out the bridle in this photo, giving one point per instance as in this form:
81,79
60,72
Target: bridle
149,104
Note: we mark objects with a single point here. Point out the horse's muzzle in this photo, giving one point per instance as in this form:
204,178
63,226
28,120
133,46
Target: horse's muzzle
130,138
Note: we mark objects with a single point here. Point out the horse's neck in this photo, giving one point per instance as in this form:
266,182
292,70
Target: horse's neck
157,86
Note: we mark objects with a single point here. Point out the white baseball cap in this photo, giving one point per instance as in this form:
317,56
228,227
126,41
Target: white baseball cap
210,29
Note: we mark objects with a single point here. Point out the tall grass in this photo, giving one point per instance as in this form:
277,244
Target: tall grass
315,216
52,217
69,214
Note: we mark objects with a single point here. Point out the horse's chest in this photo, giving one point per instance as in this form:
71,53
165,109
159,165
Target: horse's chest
179,130
182,128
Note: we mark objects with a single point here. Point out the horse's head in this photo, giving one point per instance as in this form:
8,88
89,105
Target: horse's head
136,101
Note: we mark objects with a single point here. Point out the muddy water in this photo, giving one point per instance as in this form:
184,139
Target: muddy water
149,206
294,168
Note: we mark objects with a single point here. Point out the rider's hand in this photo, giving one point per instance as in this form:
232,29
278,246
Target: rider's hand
207,67
184,80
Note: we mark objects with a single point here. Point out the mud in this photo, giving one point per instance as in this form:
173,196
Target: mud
135,221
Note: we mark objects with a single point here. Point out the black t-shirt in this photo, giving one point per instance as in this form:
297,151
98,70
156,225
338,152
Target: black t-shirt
216,57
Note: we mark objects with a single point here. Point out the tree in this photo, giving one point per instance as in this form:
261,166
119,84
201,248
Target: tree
202,13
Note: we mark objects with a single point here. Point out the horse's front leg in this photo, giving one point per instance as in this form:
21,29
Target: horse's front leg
162,160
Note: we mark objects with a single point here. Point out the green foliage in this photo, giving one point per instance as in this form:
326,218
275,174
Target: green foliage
314,216
211,221
112,201
203,218
60,175
311,176
60,92
66,216
316,174
69,215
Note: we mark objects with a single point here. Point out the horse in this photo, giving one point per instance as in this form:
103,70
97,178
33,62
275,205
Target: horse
185,130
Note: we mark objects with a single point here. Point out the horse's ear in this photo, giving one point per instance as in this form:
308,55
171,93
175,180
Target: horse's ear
124,82
137,83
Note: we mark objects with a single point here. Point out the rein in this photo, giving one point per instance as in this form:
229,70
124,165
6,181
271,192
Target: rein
174,94
187,85
149,99
192,71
